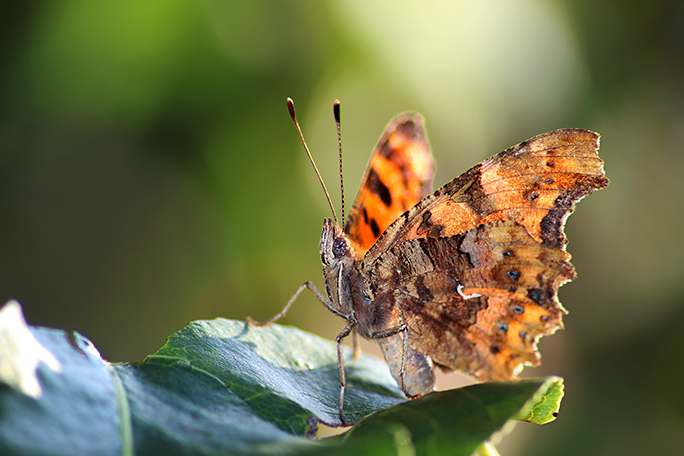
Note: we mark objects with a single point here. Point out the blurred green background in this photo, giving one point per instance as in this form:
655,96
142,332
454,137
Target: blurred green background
150,174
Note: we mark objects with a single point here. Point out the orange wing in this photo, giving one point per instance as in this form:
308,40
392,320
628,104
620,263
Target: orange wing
535,184
473,270
399,175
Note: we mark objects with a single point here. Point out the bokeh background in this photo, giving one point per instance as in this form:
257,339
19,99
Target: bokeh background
150,174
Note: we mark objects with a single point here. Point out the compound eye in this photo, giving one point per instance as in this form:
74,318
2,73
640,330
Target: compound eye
340,247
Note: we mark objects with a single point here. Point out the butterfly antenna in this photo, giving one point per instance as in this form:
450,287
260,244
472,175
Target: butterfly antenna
336,113
291,108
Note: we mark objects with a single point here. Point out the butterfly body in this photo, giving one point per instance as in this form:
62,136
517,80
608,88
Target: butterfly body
464,278
351,296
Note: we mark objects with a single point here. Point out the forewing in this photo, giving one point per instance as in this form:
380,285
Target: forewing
399,175
535,183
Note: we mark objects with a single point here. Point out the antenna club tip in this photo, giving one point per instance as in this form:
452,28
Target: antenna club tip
336,110
290,107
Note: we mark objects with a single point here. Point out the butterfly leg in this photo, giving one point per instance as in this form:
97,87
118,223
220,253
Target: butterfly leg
340,365
282,313
351,324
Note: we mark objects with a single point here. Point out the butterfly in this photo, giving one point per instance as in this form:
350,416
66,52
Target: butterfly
463,278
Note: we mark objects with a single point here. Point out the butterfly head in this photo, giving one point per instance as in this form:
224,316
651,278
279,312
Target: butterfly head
339,268
335,244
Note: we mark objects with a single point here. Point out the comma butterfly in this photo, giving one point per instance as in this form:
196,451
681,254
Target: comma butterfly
462,278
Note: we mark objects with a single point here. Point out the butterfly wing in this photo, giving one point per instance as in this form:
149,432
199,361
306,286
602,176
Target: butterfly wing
399,175
474,268
476,302
535,183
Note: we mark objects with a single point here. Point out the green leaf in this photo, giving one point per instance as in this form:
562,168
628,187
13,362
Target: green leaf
77,411
222,387
283,373
545,405
454,422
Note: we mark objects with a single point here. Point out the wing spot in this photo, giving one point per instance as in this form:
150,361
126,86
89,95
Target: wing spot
535,294
428,227
550,164
549,180
426,222
495,349
518,309
513,274
375,228
378,187
507,253
503,327
436,231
